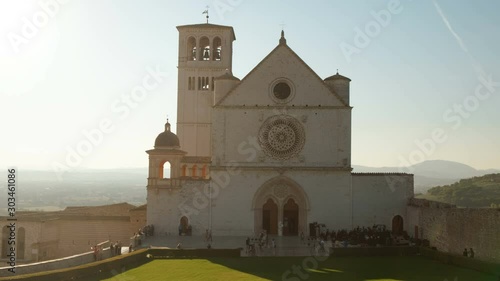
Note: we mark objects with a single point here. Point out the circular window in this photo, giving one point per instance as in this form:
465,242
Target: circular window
281,137
282,91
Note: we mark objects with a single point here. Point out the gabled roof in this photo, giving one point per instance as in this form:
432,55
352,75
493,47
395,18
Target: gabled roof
140,208
282,45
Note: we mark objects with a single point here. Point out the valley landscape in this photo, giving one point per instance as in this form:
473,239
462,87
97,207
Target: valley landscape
42,191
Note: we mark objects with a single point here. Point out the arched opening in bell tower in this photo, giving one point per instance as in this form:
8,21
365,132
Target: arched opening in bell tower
217,43
191,48
165,170
205,49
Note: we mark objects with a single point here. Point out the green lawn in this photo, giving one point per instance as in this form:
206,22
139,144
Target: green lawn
295,269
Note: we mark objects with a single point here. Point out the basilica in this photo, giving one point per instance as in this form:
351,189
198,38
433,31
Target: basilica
270,151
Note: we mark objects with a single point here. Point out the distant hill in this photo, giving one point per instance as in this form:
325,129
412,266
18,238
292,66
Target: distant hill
41,190
475,192
431,173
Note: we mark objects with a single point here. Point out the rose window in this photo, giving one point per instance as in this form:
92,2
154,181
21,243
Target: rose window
281,137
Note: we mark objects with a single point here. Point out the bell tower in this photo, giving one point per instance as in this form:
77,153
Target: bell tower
205,52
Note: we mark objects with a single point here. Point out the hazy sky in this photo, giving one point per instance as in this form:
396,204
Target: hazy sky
424,74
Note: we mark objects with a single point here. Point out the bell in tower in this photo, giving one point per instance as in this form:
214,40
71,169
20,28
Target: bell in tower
206,54
217,54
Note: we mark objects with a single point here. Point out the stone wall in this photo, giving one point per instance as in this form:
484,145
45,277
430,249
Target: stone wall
379,197
66,262
68,235
452,229
166,207
138,218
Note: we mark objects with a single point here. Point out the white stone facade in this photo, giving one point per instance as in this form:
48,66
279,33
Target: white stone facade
280,149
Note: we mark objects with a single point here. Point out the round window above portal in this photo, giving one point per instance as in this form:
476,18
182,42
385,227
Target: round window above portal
281,137
281,90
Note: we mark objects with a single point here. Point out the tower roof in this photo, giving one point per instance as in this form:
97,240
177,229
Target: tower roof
207,26
167,138
337,76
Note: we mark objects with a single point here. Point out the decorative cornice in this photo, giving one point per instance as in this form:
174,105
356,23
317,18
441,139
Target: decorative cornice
288,107
196,159
281,169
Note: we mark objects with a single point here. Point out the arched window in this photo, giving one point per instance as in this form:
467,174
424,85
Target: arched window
205,47
184,228
204,172
184,170
191,49
192,83
21,236
205,83
165,170
217,48
5,239
193,170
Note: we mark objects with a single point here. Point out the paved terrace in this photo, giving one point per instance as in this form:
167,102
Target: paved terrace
285,245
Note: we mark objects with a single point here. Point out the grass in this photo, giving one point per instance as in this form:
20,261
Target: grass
274,268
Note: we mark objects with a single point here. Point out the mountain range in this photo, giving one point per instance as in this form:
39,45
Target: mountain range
431,173
41,190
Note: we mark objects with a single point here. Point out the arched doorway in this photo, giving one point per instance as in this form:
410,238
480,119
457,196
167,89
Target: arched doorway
290,218
397,225
274,194
270,217
184,227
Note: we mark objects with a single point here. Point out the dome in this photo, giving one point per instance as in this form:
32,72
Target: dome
337,77
167,138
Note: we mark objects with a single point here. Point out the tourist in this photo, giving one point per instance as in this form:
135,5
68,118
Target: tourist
111,249
471,253
273,244
465,253
179,245
209,235
247,242
302,236
94,248
119,248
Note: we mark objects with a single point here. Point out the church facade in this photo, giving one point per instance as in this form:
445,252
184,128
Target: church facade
271,151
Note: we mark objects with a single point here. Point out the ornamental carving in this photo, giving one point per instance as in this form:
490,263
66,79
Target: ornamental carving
280,191
281,137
